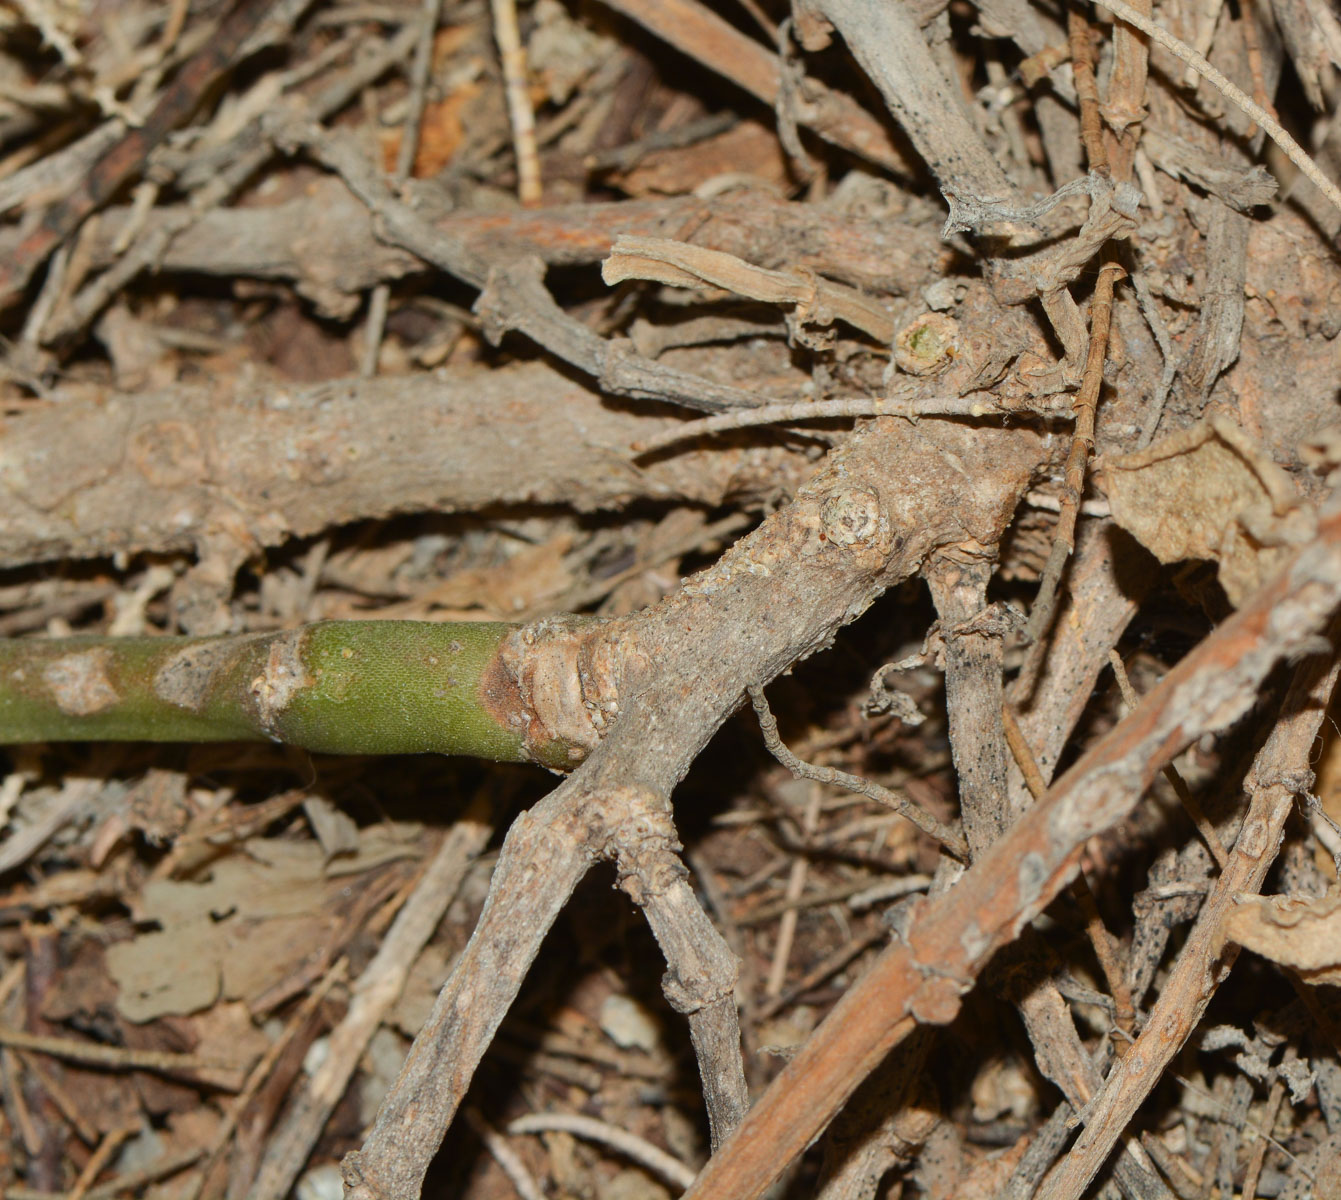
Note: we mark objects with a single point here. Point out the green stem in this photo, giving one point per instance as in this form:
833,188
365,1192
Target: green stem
336,687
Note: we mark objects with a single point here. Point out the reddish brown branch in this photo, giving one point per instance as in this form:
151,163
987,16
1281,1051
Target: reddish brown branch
922,979
170,471
1278,773
700,33
1087,91
1085,406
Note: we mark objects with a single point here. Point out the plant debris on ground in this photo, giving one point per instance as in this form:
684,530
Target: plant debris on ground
929,408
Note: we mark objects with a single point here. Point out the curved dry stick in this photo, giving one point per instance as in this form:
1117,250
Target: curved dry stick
949,838
922,979
643,1152
975,404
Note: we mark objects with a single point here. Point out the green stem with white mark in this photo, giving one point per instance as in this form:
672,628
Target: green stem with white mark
334,687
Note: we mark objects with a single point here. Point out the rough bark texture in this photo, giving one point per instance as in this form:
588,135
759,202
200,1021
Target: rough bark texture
869,518
256,464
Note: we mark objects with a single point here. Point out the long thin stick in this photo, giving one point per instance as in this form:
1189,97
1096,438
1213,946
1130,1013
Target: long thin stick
975,404
1085,406
420,72
512,54
639,1150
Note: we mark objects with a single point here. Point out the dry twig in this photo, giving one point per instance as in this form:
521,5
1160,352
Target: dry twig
1024,870
1278,774
671,1169
1273,128
768,725
1082,446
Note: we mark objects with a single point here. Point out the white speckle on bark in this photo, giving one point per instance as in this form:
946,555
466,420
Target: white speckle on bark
285,676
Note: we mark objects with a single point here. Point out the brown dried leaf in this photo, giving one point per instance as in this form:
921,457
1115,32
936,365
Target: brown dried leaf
241,929
1291,930
1209,492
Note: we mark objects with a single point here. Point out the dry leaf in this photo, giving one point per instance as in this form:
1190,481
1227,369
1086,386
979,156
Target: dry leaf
1209,492
1291,930
241,928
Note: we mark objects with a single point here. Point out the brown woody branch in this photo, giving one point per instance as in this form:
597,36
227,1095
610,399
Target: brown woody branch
292,241
1279,774
258,464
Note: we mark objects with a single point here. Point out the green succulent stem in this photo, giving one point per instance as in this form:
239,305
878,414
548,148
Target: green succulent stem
335,687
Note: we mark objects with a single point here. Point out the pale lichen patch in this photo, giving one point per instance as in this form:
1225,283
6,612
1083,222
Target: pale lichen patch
285,675
79,682
185,678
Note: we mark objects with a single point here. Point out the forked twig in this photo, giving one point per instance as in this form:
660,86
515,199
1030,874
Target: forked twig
681,670
513,294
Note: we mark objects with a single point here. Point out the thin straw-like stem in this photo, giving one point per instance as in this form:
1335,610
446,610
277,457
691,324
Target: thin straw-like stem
1273,128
